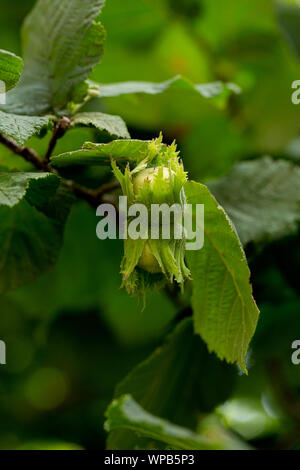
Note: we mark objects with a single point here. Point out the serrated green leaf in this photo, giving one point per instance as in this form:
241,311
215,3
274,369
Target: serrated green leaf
62,42
113,125
15,186
10,68
225,313
126,414
21,128
178,83
101,154
33,210
262,198
175,382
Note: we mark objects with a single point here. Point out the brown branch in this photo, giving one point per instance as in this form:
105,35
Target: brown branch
106,188
93,197
28,154
59,131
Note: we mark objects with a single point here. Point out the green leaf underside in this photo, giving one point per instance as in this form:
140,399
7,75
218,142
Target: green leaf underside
225,313
61,44
175,382
10,69
101,154
178,83
21,128
262,198
113,125
31,226
125,413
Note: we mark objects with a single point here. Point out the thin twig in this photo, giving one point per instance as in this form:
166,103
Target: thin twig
59,131
173,293
93,197
106,188
28,154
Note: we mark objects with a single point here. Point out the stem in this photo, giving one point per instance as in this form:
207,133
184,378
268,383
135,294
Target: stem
106,188
173,293
59,131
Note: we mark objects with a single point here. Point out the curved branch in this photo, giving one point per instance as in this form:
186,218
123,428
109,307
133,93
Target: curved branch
28,154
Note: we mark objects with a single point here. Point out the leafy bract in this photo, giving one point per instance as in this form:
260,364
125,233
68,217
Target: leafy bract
175,382
33,210
124,413
21,128
225,313
62,42
178,83
100,154
262,198
113,125
10,69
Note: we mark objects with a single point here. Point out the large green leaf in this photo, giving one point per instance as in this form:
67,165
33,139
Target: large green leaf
33,210
113,125
21,128
62,42
126,414
262,198
225,313
177,382
178,83
10,68
101,154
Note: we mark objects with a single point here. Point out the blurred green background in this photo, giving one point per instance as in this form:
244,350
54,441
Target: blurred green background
73,335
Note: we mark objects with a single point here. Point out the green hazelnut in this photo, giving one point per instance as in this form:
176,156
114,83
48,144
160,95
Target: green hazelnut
148,175
148,262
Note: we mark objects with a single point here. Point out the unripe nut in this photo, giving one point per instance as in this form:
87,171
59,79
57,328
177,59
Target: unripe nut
147,261
148,175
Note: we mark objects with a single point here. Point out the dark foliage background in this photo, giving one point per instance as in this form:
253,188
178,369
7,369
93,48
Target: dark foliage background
73,335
